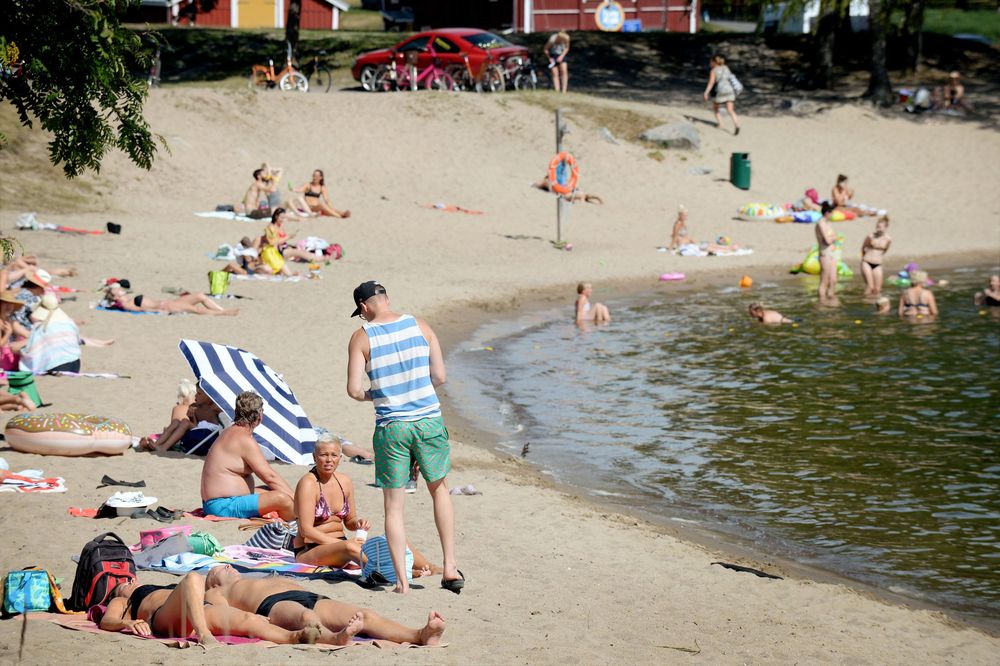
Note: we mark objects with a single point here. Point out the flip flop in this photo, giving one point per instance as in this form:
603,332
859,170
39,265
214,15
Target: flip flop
455,585
358,460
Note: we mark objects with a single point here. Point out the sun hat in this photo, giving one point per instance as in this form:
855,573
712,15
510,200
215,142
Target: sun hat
363,292
39,277
48,310
812,195
10,296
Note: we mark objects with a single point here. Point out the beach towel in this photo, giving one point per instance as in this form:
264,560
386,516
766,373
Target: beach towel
695,251
30,481
247,559
451,209
269,278
140,312
226,215
50,345
28,222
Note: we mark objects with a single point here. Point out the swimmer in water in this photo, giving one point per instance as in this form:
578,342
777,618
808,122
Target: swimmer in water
883,305
990,297
917,301
587,311
764,316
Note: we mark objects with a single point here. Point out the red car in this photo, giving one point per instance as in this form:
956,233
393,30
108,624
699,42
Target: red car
450,45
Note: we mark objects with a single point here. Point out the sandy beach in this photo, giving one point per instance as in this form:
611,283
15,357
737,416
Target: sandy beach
551,578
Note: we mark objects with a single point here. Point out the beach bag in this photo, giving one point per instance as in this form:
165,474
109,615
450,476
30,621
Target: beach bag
204,543
105,563
26,591
735,83
270,256
376,550
274,536
149,538
218,282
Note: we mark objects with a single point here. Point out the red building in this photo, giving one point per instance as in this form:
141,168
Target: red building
316,14
554,15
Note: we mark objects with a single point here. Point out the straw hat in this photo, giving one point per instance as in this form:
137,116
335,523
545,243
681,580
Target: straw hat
48,310
10,296
39,277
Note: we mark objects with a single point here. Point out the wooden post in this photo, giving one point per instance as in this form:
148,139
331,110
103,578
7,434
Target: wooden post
559,199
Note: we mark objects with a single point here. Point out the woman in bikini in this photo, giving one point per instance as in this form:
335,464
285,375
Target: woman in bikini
587,311
873,251
325,504
917,301
318,197
116,298
825,239
179,610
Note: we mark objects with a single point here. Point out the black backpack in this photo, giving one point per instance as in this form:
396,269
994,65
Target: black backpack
105,563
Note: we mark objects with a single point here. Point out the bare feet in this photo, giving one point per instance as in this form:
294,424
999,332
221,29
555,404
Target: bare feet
424,571
432,631
354,626
147,444
346,214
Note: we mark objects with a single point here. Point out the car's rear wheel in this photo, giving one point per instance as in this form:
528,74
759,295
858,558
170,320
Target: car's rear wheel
368,78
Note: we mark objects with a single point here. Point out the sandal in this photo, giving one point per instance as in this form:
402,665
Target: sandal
454,585
358,460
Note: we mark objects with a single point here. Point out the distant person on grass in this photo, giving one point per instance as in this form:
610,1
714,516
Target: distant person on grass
401,358
227,487
721,90
557,50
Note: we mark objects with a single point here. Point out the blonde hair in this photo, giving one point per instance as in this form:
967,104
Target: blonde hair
563,35
582,286
918,278
186,391
329,438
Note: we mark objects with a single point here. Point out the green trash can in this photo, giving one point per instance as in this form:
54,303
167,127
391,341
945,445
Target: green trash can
18,381
739,170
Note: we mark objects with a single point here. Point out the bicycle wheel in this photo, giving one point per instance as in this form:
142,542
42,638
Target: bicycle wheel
321,80
383,80
441,81
294,81
525,81
492,79
368,78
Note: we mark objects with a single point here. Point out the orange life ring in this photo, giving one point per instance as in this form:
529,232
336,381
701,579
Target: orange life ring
558,180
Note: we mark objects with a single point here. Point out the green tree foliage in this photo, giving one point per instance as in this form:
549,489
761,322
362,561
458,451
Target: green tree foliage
75,79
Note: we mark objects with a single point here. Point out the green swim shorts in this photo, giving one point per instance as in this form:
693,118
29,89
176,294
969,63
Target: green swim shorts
399,443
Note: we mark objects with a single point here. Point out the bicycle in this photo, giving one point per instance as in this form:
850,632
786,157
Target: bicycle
522,74
263,76
433,76
493,77
392,76
319,77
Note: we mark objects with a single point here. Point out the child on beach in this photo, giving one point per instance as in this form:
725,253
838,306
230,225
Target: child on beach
873,251
587,311
758,312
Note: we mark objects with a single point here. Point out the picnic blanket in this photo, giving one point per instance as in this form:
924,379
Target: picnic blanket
226,215
81,623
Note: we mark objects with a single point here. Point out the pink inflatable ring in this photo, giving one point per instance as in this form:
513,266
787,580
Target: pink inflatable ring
67,434
666,277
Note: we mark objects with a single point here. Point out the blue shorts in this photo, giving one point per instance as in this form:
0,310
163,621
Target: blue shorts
240,506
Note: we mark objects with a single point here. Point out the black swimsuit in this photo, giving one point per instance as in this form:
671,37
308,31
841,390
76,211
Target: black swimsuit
302,597
138,303
310,193
139,595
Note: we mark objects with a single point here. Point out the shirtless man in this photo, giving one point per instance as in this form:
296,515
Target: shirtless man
227,487
758,312
288,605
256,194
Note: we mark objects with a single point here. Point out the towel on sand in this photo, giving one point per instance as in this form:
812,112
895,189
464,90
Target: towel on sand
226,215
451,209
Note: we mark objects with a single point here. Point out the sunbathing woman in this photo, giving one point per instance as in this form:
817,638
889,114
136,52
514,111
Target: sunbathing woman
318,197
873,254
682,243
326,506
274,234
179,610
118,299
917,301
546,186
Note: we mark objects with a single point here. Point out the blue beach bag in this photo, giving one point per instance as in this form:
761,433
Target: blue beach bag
376,550
26,591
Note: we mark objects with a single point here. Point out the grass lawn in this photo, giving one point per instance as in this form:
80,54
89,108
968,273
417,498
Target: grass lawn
955,21
360,19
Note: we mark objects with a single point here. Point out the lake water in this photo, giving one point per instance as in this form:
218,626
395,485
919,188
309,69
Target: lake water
854,442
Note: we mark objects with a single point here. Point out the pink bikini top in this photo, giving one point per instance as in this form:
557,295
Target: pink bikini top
323,511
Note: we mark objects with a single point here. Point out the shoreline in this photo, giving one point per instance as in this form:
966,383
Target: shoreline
459,329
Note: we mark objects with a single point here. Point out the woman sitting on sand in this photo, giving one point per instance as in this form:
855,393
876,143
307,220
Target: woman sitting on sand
682,243
195,423
318,197
275,235
758,312
116,298
587,311
873,251
13,335
179,610
990,297
917,300
326,506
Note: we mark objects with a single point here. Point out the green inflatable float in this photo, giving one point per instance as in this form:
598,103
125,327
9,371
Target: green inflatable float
810,264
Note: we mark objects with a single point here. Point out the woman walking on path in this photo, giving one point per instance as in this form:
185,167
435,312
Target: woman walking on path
557,50
719,79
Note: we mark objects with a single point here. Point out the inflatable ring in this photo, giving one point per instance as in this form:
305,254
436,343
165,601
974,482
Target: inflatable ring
563,173
667,277
67,434
760,211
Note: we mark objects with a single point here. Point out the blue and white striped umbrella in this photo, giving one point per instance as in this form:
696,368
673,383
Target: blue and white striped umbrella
224,372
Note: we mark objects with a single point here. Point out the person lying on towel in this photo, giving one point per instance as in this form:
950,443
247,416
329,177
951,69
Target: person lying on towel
179,610
227,487
287,604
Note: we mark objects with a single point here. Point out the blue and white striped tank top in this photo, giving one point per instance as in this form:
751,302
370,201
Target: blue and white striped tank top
399,370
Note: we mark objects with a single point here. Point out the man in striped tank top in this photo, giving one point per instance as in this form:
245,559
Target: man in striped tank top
400,358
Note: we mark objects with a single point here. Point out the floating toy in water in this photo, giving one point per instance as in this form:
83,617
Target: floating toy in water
668,277
760,211
810,265
67,434
746,282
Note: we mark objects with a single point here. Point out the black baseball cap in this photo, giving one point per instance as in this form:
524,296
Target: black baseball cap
363,292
